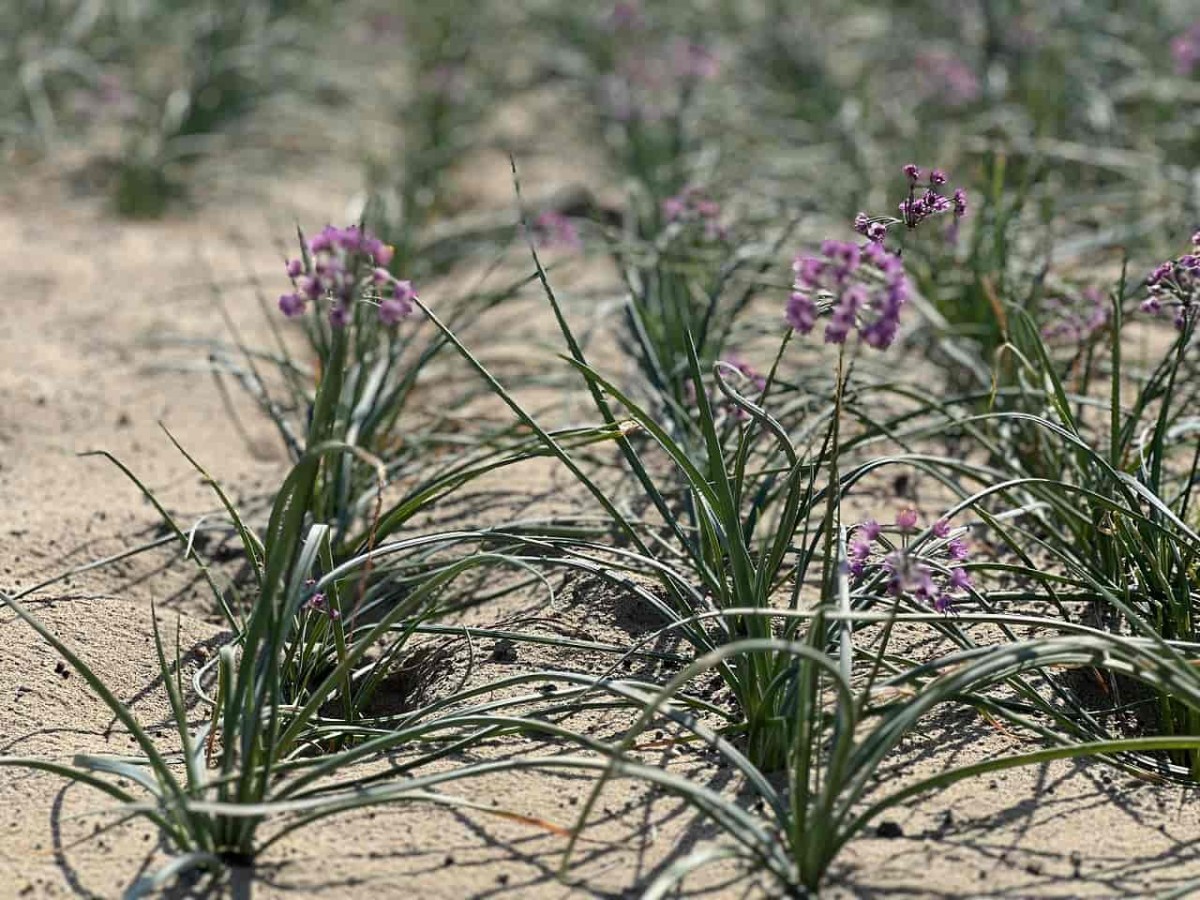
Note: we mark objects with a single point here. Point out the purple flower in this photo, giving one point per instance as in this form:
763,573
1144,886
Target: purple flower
291,305
871,530
801,312
837,331
690,206
960,203
863,288
909,576
941,528
960,579
348,265
1185,49
913,173
906,519
1075,319
1175,286
399,305
957,549
380,252
914,209
553,229
393,309
318,603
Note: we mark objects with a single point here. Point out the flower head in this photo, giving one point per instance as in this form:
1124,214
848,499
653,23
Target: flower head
921,576
344,266
1175,286
960,578
291,305
915,208
862,288
925,200
319,603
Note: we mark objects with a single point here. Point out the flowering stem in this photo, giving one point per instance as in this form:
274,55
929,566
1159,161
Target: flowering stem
833,496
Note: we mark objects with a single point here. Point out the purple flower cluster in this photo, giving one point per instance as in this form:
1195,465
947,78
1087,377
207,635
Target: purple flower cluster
692,206
864,288
910,574
1185,49
1175,285
341,266
926,199
317,602
553,229
1075,319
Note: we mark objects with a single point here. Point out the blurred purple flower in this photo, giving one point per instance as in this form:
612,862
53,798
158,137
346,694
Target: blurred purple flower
1075,319
1185,49
691,205
945,78
960,579
291,305
553,229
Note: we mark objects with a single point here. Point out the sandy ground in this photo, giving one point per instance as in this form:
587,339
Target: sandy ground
92,332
